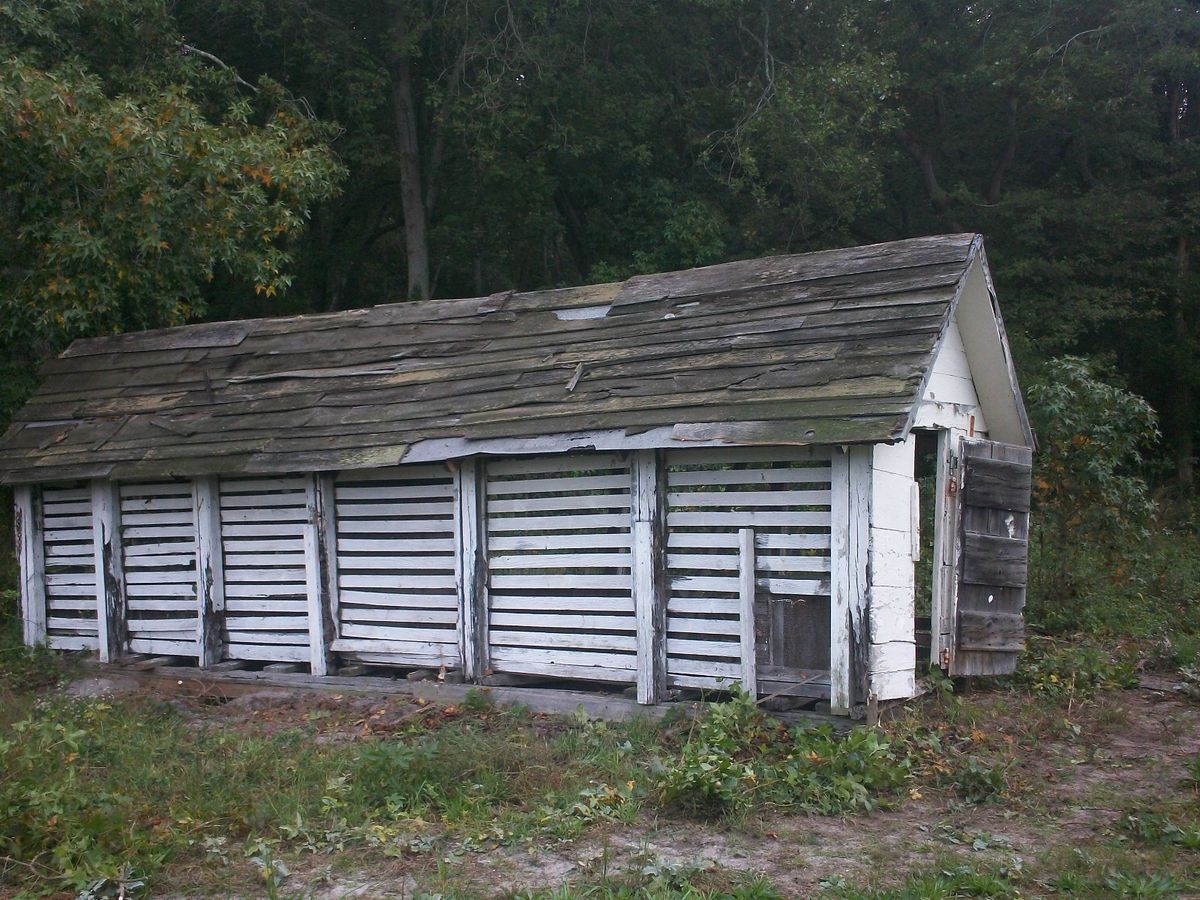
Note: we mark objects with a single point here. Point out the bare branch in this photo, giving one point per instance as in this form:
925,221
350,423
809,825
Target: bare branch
189,50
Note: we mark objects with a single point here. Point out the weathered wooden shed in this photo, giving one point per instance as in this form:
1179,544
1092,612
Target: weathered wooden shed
681,481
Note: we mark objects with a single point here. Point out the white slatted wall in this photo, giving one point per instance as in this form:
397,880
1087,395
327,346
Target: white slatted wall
158,536
560,590
70,568
397,600
262,536
784,496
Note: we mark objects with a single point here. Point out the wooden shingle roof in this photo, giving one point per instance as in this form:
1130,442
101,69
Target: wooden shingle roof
818,348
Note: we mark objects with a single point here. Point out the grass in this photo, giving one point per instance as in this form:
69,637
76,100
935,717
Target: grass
148,795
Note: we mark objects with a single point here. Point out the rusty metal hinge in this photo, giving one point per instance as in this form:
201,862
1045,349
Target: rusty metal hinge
945,660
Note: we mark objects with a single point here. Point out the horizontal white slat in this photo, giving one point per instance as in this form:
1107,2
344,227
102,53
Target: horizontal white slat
607,483
796,475
269,486
420,652
684,625
54,523
64,578
87,603
151,645
559,523
243,622
72,642
70,590
400,599
693,606
762,563
546,504
272,605
747,519
162,604
244,545
677,665
158,576
276,638
394,545
716,649
67,535
70,623
262,653
724,499
365,614
181,505
392,492
272,561
398,633
511,582
156,489
620,560
258,530
547,661
174,589
795,587
394,562
580,604
70,508
131,520
159,548
263,576
593,541
65,495
702,681
548,639
438,525
440,509
258,515
183,561
158,532
687,583
425,661
420,472
179,626
68,554
570,462
406,581
565,670
265,590
625,622
700,456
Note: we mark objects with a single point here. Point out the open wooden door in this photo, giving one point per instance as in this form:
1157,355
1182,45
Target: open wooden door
993,496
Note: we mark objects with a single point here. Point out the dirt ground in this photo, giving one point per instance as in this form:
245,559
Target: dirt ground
1065,796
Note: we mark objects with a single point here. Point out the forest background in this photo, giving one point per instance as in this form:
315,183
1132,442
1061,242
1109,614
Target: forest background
163,163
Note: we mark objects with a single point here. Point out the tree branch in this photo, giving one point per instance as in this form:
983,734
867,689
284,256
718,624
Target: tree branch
189,50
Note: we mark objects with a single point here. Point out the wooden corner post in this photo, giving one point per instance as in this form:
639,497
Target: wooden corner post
210,571
850,483
649,543
27,528
112,629
747,587
316,558
470,490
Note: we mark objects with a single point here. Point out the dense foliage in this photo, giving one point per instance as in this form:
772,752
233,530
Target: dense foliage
159,160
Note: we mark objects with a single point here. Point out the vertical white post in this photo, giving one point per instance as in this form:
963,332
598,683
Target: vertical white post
210,571
111,622
314,580
31,554
648,534
839,584
746,593
327,519
859,547
470,490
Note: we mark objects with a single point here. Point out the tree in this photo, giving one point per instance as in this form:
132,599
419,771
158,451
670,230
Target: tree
126,188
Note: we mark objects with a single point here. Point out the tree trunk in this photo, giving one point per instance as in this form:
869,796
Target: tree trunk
1184,410
412,199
